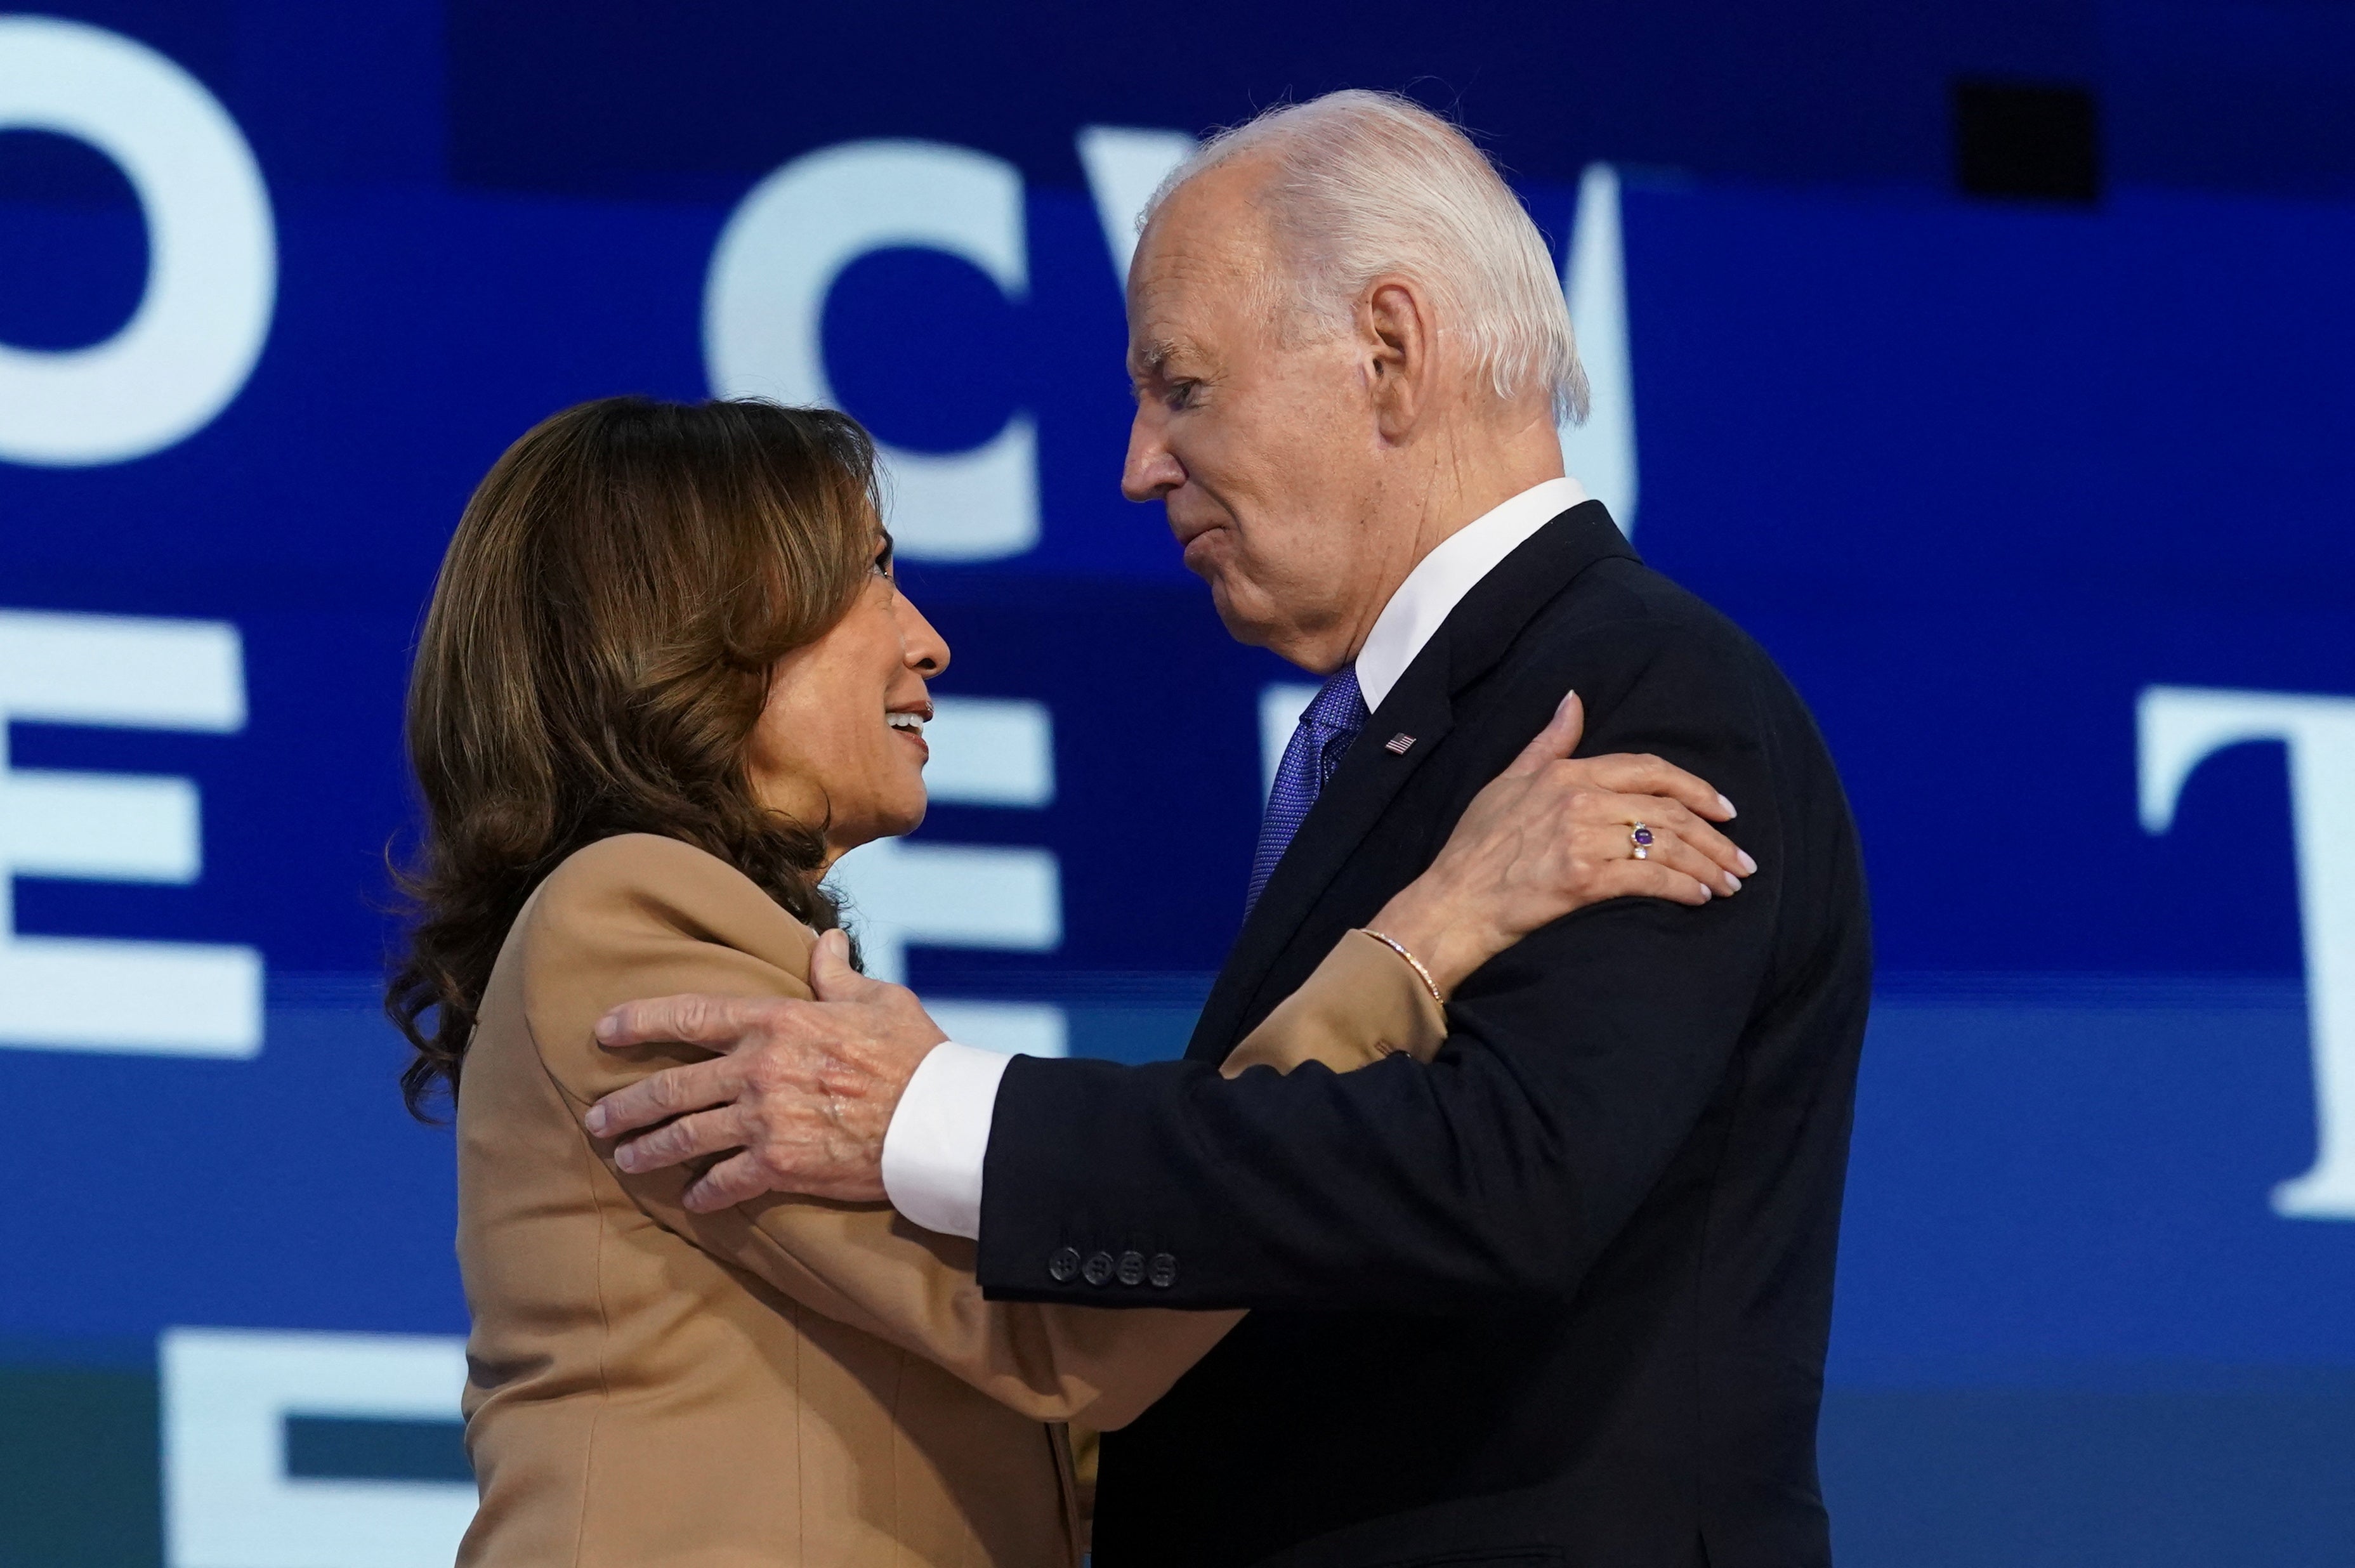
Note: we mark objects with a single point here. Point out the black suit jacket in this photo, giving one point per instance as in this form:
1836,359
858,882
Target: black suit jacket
1561,1296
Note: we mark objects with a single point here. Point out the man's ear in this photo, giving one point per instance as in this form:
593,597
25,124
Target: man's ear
1398,337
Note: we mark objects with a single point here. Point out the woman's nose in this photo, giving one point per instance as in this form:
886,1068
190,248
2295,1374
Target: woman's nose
924,649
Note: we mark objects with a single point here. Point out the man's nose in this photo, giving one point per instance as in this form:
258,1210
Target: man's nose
1150,470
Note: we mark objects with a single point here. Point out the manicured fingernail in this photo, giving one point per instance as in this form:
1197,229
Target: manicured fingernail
608,1027
596,1120
1732,883
1727,804
1749,866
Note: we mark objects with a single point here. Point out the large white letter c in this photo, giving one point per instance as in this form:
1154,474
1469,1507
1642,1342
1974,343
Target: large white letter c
212,267
765,298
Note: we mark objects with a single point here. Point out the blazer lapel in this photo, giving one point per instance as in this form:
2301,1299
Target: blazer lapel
1476,635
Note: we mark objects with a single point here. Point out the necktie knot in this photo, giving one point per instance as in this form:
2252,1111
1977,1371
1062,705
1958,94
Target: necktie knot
1332,719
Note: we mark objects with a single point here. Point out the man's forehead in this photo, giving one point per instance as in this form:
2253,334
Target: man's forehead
1194,277
1173,308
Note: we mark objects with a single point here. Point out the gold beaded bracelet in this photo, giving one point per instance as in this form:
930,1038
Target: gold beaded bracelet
1421,973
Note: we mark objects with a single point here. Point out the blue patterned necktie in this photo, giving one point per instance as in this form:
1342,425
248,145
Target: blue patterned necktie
1327,727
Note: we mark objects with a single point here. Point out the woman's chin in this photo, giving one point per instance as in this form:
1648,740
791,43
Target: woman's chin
844,836
906,814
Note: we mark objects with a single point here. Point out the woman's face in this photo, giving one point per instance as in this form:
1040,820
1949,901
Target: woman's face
840,741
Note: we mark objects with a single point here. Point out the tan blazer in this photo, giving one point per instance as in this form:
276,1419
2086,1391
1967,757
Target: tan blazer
791,1383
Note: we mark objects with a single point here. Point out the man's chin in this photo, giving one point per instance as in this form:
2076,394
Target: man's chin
1252,632
1252,620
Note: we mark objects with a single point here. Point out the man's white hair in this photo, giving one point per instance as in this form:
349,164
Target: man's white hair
1367,183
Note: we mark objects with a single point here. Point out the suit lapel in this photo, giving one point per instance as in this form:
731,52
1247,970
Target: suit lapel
1476,635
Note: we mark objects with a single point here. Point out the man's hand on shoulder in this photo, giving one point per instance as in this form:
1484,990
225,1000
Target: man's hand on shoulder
803,1092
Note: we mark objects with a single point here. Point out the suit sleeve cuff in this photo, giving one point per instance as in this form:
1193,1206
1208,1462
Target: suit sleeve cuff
939,1138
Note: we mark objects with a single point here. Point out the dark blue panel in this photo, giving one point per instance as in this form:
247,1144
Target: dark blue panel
2091,1478
335,1448
77,1447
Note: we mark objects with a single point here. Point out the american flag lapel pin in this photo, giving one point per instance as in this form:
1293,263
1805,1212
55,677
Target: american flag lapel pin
1399,744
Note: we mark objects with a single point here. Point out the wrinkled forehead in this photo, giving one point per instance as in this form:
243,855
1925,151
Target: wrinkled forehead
1202,273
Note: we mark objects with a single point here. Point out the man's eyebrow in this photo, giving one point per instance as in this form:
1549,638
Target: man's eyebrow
1152,358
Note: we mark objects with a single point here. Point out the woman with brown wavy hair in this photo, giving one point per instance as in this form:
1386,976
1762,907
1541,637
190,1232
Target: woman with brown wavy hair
665,680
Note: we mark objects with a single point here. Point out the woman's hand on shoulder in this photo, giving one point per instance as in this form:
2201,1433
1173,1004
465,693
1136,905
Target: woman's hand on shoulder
1552,834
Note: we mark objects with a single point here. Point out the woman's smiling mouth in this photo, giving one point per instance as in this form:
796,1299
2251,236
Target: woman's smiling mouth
910,723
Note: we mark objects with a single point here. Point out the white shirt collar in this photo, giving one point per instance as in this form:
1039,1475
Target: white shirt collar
1441,579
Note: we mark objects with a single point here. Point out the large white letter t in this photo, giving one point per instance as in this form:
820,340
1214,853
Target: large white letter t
2179,727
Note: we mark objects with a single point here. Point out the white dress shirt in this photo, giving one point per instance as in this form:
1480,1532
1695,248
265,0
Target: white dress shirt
939,1135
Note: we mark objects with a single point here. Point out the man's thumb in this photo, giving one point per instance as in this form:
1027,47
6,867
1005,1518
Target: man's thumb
831,976
1557,741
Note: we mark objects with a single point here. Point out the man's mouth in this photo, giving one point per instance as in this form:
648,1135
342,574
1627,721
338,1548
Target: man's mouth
1198,550
909,720
1189,528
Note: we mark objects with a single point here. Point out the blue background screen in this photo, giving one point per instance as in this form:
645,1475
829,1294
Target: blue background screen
2043,504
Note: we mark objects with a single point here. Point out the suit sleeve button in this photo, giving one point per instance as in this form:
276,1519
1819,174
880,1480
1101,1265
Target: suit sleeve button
1062,1263
1098,1269
1132,1268
1162,1271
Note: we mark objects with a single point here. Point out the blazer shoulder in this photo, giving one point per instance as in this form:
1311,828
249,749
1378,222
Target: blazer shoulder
1621,615
1620,590
636,885
628,857
1639,647
636,916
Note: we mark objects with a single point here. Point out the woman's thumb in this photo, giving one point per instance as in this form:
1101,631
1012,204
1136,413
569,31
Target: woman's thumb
1557,741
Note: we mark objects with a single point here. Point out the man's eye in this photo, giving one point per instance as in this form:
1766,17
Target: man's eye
1181,394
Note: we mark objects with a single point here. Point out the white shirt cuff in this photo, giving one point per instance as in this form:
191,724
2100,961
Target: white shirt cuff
939,1137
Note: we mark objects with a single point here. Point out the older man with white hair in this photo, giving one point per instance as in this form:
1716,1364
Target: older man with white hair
1562,1296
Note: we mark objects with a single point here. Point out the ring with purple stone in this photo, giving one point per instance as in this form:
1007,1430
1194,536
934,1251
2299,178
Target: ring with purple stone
1641,836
